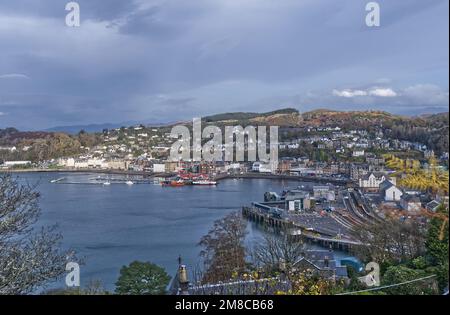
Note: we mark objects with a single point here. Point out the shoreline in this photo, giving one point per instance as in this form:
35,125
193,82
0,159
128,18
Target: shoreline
219,177
94,171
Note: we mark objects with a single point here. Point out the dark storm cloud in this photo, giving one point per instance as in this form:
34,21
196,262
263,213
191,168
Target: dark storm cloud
174,59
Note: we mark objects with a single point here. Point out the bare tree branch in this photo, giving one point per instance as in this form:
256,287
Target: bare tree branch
29,257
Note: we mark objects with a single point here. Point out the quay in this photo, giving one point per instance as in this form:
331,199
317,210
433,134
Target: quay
323,232
325,180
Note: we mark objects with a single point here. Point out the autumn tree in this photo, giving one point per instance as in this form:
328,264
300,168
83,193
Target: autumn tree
390,241
303,284
29,257
223,250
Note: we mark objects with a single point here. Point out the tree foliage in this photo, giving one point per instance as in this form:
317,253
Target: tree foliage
42,146
437,249
400,274
142,278
223,250
390,241
407,252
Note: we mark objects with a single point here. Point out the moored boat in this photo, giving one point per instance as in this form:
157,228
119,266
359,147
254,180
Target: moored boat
204,182
173,183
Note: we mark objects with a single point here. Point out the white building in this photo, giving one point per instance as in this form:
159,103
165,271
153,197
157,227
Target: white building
261,167
16,163
307,171
373,180
233,166
358,153
81,163
97,163
390,192
159,168
68,162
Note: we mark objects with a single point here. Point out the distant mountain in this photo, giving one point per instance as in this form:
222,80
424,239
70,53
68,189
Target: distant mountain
287,117
92,128
74,129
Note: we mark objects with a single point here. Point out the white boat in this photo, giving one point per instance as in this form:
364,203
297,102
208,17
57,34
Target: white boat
106,183
129,182
57,180
204,182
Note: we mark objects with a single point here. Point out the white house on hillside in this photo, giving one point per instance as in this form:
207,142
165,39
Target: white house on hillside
390,192
357,153
373,180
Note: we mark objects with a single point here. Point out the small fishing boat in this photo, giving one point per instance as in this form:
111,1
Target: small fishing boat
173,183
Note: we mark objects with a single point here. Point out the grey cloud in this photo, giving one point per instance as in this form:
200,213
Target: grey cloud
210,56
426,95
90,9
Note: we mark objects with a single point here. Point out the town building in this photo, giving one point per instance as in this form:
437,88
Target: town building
323,192
358,170
10,164
433,205
372,180
389,191
284,166
159,168
260,167
358,153
410,203
297,200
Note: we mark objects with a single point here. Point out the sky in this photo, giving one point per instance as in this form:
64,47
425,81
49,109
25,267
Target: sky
169,60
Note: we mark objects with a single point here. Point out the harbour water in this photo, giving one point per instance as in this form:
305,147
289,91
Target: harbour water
112,225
